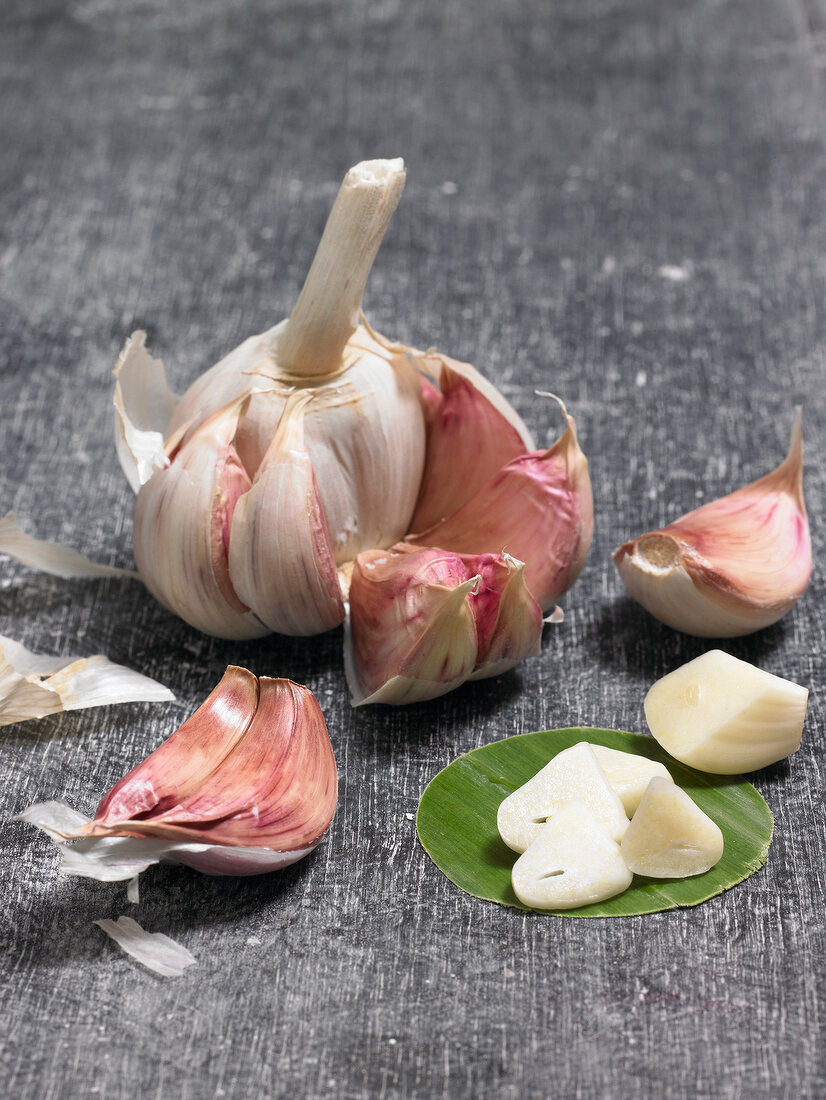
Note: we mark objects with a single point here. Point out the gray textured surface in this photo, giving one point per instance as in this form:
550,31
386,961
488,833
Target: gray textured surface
170,165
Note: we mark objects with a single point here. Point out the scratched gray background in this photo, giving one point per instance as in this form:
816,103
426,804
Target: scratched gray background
620,200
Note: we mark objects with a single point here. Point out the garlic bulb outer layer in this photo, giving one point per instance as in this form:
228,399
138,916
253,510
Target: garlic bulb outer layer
735,565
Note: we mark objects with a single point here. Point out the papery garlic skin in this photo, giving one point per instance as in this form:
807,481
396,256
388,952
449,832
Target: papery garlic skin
732,567
723,715
670,836
573,775
572,862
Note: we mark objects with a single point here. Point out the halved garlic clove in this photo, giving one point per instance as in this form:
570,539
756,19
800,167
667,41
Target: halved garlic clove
280,559
464,410
422,621
538,507
629,774
573,775
247,785
572,862
183,518
670,836
735,565
723,715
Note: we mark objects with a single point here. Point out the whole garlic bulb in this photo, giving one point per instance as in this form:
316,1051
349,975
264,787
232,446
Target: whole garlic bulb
319,442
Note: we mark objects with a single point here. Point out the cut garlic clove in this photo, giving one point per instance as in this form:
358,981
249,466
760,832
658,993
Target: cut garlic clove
573,775
463,415
249,784
735,565
670,836
629,774
183,518
412,631
572,862
143,409
280,559
539,508
723,715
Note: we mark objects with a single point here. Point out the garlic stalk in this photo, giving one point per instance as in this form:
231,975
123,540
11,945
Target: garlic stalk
286,468
733,566
247,784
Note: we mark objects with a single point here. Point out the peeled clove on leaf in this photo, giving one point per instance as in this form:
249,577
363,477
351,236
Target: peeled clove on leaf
284,469
733,566
247,784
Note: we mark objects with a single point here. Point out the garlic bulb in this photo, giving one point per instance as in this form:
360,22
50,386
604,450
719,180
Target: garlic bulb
733,566
247,784
284,470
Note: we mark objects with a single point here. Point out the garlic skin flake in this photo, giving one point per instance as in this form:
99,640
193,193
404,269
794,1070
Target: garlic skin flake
735,565
49,557
670,836
154,950
723,715
573,775
572,862
247,784
34,686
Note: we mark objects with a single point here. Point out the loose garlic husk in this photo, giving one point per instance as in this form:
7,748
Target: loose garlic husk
319,442
733,566
248,784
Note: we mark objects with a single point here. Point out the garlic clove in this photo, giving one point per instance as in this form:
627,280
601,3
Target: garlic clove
629,774
723,715
508,618
572,862
183,518
143,409
280,559
461,414
573,775
670,836
539,508
734,566
412,631
247,785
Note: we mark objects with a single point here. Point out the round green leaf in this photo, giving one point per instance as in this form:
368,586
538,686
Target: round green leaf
457,822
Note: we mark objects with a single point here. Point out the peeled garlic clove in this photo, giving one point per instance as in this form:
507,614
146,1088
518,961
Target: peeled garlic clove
247,785
183,519
464,410
572,862
629,774
670,836
280,559
733,566
573,775
723,715
412,627
539,508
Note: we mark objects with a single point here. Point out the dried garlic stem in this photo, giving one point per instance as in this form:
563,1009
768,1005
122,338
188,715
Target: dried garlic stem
327,312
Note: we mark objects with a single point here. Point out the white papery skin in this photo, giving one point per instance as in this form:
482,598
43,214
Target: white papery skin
572,862
361,452
723,715
571,776
670,836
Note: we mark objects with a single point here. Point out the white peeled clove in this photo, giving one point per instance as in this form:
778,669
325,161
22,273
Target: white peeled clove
720,714
670,836
572,862
628,774
247,784
34,686
733,566
573,775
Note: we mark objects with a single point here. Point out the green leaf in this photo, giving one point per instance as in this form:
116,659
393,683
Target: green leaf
457,822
